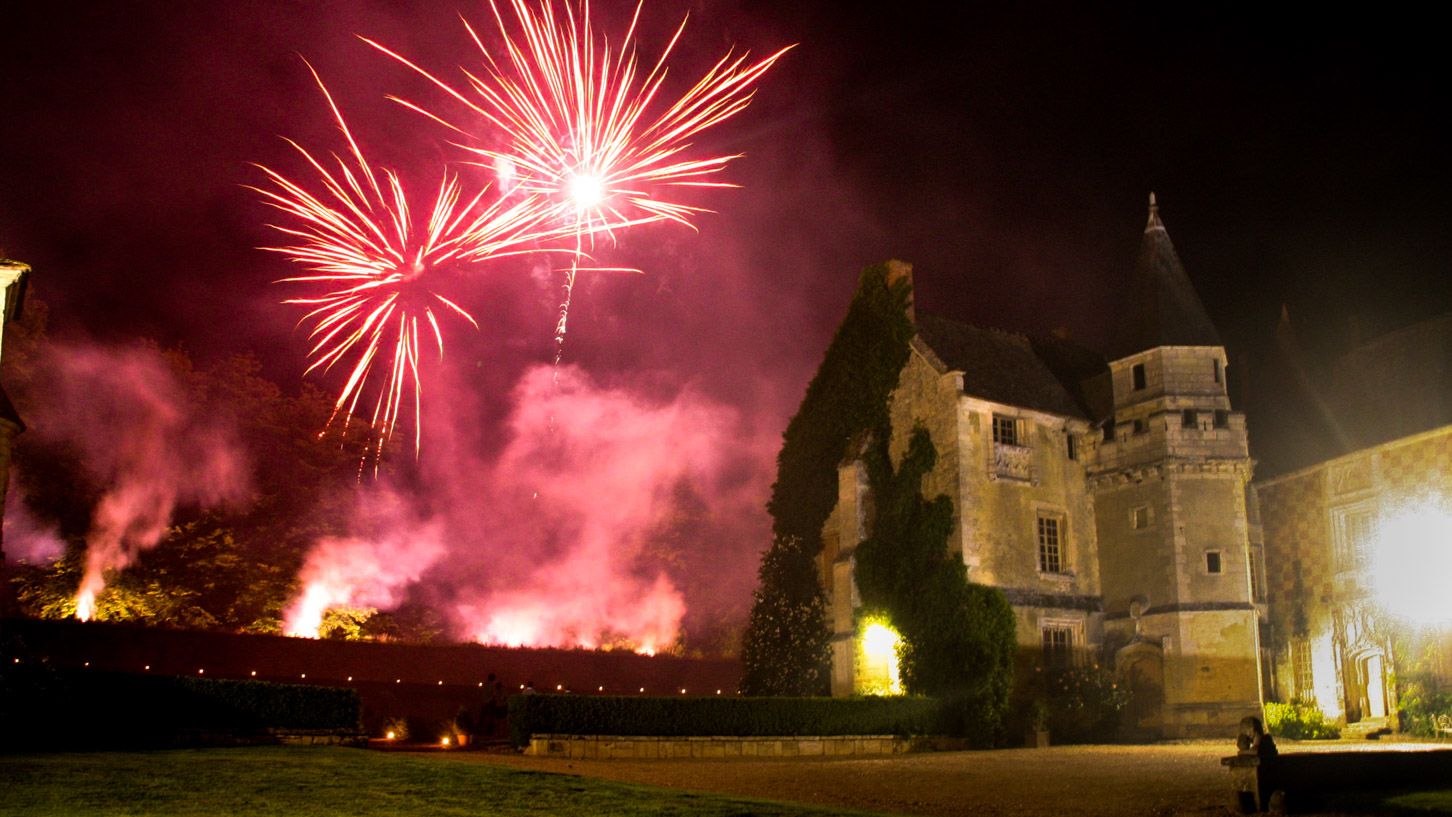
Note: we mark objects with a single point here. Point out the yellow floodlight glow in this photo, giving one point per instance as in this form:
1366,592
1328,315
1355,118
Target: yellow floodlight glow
1410,560
881,674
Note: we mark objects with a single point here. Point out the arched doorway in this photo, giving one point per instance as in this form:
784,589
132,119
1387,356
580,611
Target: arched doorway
1371,672
1141,668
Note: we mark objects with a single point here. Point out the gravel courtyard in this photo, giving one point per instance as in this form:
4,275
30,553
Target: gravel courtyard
1161,780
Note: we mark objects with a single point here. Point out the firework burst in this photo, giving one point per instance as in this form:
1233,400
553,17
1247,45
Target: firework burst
584,126
372,261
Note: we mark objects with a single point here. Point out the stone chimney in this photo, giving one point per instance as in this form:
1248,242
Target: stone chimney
897,271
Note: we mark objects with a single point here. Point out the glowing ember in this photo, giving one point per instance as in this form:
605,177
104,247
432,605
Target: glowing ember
374,257
583,124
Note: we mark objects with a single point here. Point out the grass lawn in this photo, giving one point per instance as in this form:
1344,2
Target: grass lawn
1431,802
313,782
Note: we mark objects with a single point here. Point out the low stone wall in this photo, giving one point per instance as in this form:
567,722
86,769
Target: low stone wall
606,747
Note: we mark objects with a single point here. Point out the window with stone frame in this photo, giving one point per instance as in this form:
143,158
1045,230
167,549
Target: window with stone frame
1352,532
1303,676
1214,562
1058,640
1051,543
1007,431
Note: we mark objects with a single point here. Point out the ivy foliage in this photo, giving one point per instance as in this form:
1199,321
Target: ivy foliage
957,638
786,649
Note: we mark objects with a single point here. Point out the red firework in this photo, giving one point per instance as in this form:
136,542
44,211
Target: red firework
371,258
582,126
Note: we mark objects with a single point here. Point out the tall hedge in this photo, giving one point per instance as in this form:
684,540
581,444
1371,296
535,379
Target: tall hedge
786,650
45,708
711,716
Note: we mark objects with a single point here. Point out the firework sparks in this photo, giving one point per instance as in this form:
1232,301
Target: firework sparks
374,260
582,125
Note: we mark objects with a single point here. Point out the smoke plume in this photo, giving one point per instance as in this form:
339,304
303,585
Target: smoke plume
143,441
600,507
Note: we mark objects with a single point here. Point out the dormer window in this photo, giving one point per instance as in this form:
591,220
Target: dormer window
1137,374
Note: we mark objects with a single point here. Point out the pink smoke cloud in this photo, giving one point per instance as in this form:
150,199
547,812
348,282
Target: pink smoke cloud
367,570
559,536
26,538
143,441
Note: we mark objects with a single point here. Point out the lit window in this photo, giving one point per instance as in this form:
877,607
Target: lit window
1051,554
1140,517
1005,430
1301,668
1213,564
1058,645
1137,373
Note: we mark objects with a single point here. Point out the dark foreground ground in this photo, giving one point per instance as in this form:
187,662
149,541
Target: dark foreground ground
1114,781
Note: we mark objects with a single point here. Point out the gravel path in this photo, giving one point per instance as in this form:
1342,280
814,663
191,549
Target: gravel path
1115,781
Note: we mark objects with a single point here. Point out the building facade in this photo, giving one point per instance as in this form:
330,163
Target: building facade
1106,498
1337,580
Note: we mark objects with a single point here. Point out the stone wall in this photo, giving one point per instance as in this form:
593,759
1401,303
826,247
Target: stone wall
608,747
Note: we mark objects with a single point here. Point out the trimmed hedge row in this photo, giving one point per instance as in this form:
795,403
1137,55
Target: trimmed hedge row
733,717
42,708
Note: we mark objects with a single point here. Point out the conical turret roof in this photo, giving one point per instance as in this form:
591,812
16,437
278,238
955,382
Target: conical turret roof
1163,309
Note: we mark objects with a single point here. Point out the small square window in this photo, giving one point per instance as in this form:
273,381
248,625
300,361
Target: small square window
1138,374
1140,517
1189,418
1222,419
1141,427
1212,562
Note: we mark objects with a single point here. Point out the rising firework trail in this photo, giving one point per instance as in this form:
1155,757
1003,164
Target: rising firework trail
373,264
581,124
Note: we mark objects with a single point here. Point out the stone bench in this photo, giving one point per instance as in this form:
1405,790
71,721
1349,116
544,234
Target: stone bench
1301,781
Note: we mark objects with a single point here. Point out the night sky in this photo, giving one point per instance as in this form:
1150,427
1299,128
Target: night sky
1006,151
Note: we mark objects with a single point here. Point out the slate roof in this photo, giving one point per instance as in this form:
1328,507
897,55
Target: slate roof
1163,308
1045,374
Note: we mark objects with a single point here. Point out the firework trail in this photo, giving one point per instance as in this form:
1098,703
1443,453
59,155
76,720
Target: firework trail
374,259
582,125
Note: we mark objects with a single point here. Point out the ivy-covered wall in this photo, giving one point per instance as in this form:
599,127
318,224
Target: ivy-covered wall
958,638
786,650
